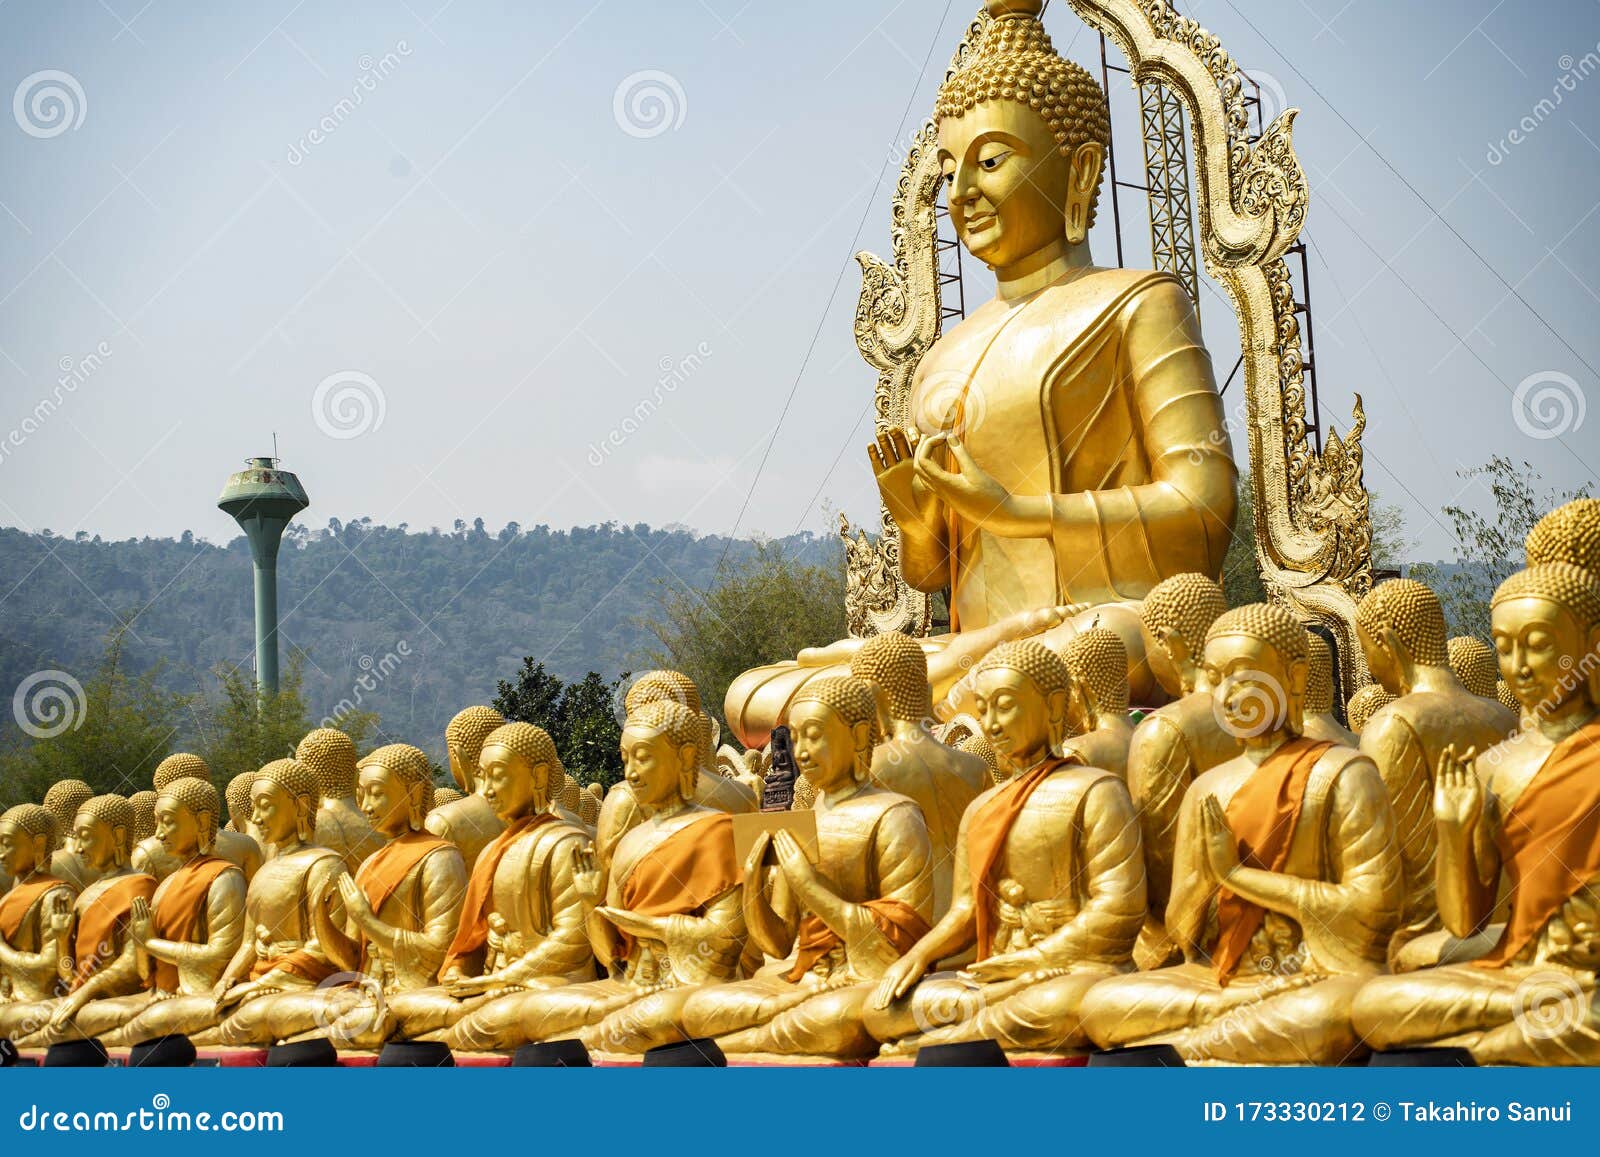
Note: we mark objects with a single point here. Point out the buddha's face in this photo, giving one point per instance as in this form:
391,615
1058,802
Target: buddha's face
653,765
96,842
1539,643
385,799
177,828
1080,711
273,812
1016,715
1382,662
1006,181
18,851
1252,690
510,785
460,769
824,745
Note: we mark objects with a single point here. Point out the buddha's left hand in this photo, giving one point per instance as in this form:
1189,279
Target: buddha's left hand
974,494
792,859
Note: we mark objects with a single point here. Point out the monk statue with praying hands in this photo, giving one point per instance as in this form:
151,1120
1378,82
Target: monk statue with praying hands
402,907
100,954
829,929
1286,883
1519,820
1049,883
29,952
188,931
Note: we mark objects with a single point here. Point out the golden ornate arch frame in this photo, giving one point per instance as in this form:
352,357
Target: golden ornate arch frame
1312,526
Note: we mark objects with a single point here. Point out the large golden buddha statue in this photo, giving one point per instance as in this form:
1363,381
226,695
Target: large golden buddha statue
1286,884
330,754
1068,446
1049,883
1521,819
829,928
468,822
29,951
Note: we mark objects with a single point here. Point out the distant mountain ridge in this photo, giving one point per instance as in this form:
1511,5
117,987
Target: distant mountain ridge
412,625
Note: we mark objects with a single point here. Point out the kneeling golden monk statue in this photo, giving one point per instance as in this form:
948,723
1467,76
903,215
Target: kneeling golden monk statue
1526,811
1286,884
1049,883
832,927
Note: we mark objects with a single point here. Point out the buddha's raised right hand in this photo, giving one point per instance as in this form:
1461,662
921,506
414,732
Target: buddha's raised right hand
1457,794
894,466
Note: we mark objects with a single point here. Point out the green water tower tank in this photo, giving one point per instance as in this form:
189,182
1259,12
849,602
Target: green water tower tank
262,499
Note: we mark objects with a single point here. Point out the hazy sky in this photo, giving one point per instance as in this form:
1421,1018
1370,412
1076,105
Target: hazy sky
262,217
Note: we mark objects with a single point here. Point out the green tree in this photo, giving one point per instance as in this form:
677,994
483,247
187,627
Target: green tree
241,730
759,609
580,717
115,734
1490,546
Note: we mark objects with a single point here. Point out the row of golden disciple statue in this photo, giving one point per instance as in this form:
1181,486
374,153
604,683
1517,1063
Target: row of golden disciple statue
1002,850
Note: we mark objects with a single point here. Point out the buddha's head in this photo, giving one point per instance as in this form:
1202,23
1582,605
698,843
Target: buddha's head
180,765
1176,615
976,744
144,815
187,813
1097,664
283,803
331,756
673,687
1503,692
27,840
894,666
62,800
463,740
238,800
661,754
1319,675
1022,142
1474,663
1366,703
1546,625
1020,694
1401,627
1570,533
1256,666
833,724
519,771
102,833
444,795
394,789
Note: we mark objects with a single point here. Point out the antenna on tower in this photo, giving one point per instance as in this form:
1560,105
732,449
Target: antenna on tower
275,458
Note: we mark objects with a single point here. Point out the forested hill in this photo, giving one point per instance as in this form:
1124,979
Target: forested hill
433,620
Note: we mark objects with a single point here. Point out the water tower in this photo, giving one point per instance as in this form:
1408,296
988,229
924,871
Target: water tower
262,499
